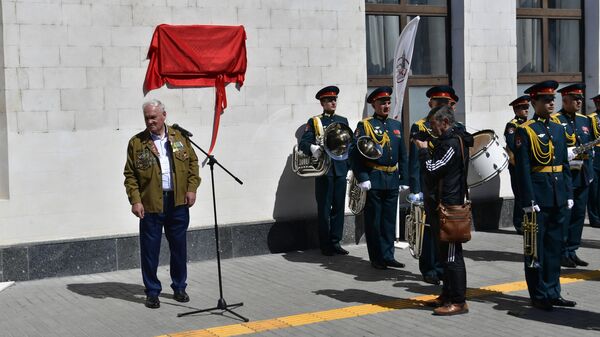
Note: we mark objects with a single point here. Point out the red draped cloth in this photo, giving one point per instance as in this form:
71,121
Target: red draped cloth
198,56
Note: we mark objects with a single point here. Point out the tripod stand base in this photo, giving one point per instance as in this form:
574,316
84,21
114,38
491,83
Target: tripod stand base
221,305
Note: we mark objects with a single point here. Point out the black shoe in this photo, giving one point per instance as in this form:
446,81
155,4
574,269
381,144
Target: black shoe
579,261
327,251
431,280
152,302
339,250
181,296
394,263
561,302
542,305
567,262
595,225
378,265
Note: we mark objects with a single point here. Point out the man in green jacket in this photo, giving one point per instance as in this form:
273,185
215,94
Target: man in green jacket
161,179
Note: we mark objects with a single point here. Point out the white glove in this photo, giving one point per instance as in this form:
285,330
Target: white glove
570,203
531,209
402,188
365,185
316,151
570,153
415,197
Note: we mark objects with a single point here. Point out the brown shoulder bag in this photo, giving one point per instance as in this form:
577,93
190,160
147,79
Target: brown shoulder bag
455,220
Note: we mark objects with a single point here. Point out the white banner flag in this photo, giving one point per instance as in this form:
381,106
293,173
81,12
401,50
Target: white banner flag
402,59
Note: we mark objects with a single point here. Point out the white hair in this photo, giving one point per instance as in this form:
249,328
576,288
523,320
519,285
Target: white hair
154,103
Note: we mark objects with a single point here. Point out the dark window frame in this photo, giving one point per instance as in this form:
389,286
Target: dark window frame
404,10
545,14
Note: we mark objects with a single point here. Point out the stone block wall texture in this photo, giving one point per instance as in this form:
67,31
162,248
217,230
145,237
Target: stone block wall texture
72,94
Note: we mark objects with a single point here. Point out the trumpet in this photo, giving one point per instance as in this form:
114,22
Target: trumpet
414,228
530,230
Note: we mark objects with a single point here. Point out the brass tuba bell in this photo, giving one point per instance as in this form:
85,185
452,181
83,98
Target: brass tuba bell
336,140
369,149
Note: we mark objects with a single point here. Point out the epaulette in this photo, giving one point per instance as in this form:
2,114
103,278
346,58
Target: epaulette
529,122
421,124
554,118
580,115
592,114
367,119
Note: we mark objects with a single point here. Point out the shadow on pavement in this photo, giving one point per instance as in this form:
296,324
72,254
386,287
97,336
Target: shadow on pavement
367,297
492,255
352,265
123,291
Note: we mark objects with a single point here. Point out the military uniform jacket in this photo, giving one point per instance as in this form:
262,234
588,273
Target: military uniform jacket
510,132
338,167
542,164
578,131
394,153
595,122
422,131
143,180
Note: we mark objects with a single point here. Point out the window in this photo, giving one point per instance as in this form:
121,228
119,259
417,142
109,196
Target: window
385,19
549,41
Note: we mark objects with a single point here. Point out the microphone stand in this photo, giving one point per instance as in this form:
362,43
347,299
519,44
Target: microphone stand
221,304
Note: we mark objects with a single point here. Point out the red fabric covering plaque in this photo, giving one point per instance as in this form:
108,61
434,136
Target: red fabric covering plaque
198,56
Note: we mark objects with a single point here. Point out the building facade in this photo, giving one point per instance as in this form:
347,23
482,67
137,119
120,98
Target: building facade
71,96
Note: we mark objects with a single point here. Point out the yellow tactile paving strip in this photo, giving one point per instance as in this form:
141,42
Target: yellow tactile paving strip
361,310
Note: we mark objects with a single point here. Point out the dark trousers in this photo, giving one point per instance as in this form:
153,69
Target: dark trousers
455,273
518,207
330,192
594,200
575,218
429,262
543,282
380,224
175,221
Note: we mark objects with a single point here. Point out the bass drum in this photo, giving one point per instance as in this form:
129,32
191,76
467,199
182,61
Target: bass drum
488,158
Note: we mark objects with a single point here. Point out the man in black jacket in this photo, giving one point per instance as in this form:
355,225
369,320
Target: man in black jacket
445,173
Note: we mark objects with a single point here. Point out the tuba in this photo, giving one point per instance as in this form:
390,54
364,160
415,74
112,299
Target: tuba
357,197
414,228
335,140
530,229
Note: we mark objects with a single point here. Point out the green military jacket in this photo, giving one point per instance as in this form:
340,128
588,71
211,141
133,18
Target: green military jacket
143,181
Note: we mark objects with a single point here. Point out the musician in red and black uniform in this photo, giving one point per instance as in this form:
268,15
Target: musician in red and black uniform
521,109
594,195
445,172
381,178
545,180
330,189
578,131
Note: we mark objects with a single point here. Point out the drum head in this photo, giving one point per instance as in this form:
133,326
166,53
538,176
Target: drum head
481,139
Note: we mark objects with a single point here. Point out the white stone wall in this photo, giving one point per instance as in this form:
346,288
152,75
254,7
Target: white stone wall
485,71
73,85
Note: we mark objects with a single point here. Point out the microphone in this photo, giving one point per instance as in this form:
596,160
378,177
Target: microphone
183,131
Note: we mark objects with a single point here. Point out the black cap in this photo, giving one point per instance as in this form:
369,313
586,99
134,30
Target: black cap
542,89
442,91
381,92
596,98
330,91
573,90
525,99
